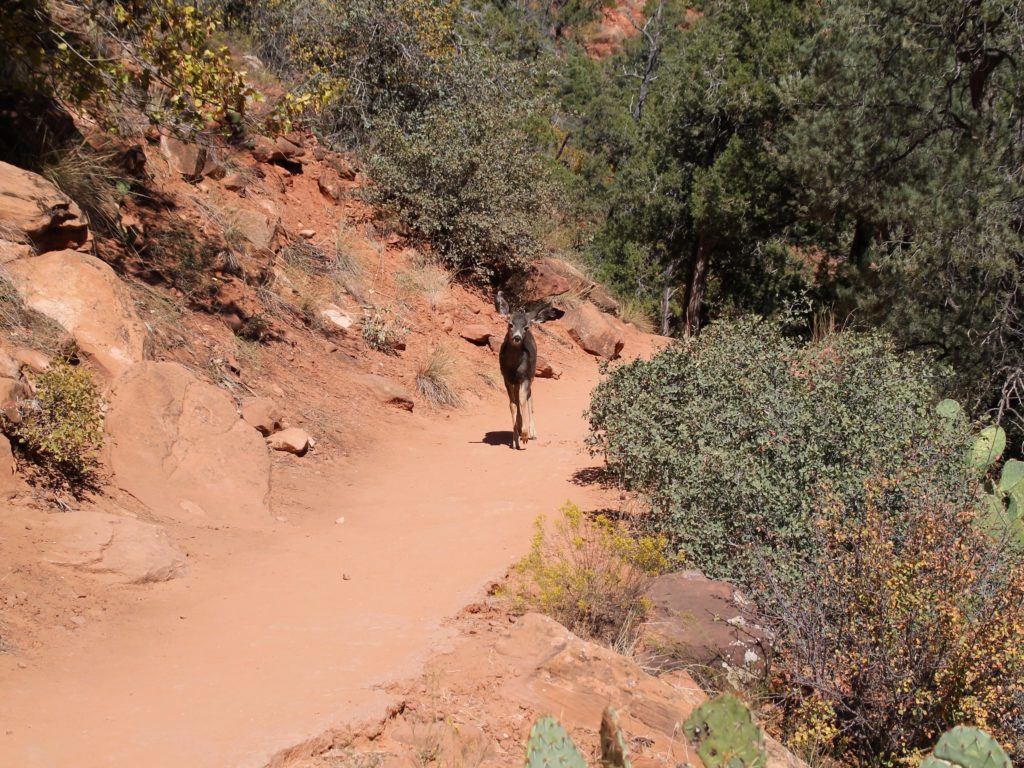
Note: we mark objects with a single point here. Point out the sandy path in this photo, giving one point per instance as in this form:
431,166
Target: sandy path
266,643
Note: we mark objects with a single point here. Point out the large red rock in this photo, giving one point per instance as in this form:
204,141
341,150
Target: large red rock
177,444
258,228
330,184
33,359
185,158
133,551
476,334
595,332
703,622
263,414
604,300
386,391
291,440
507,675
548,279
546,370
84,296
32,210
9,485
9,367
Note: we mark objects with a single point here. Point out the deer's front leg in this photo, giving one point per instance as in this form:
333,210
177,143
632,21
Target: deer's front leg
517,416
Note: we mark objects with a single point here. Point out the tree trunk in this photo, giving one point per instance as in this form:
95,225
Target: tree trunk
667,292
695,296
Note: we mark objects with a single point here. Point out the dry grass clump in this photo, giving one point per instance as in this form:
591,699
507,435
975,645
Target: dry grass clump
590,575
633,312
90,178
427,279
434,378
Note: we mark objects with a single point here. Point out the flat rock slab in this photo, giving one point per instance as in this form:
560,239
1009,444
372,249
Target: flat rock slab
33,211
84,296
386,391
177,444
134,551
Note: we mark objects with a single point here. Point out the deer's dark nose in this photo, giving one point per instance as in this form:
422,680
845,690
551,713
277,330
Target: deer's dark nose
517,337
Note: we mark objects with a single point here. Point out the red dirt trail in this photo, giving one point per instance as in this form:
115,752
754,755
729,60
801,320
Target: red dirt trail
287,629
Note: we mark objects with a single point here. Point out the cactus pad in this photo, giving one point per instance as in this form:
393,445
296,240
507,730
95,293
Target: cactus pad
549,746
987,448
965,747
1012,475
614,752
949,409
725,735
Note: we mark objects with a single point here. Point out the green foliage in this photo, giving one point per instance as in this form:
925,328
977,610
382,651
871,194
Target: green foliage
351,62
988,447
908,121
466,175
158,56
966,747
590,575
731,436
725,734
549,746
905,621
63,426
382,333
698,194
949,409
1004,501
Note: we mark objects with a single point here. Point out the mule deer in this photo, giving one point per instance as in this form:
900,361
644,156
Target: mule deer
518,360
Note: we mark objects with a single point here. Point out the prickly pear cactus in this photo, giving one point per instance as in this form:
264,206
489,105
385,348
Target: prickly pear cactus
614,752
949,409
987,448
549,746
725,735
1012,476
965,747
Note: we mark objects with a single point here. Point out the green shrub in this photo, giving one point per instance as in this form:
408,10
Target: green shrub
381,333
731,435
351,61
465,175
63,426
907,621
590,575
158,56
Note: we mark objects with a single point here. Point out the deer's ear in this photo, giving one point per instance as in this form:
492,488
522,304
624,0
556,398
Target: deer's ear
500,304
544,314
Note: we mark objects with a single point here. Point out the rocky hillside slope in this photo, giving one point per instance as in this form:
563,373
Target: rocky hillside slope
258,337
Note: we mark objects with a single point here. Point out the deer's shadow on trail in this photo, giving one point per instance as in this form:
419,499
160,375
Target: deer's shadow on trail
501,437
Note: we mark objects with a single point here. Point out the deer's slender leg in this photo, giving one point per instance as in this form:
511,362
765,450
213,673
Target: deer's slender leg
517,416
529,410
527,405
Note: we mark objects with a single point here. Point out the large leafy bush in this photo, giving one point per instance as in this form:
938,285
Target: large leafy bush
732,435
466,176
907,621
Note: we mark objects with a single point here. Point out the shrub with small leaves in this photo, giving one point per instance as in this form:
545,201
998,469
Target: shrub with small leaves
590,574
906,622
62,427
730,435
381,333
